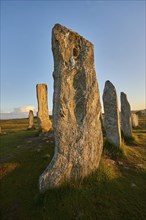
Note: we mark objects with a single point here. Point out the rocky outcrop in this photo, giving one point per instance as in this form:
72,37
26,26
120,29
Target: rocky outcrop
31,117
76,110
44,122
111,115
126,125
134,119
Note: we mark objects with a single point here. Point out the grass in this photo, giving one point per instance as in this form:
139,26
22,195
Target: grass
138,138
115,152
115,191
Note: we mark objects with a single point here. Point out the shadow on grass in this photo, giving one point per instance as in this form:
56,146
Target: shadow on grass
96,197
111,193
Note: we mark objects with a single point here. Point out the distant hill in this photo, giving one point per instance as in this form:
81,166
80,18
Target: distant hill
140,112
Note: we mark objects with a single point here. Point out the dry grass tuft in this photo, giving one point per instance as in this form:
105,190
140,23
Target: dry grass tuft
7,168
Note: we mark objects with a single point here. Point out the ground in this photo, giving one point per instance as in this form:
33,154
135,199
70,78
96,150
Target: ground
116,191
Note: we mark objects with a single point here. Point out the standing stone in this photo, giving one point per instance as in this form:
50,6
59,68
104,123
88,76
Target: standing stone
43,113
38,122
76,110
31,125
111,115
125,116
134,119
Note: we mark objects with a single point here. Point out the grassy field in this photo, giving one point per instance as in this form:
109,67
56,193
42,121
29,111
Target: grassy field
117,191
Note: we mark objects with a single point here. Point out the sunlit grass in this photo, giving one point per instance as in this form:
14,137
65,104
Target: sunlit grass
6,168
115,191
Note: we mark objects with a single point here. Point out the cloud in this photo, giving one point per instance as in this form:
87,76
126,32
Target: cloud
24,109
19,112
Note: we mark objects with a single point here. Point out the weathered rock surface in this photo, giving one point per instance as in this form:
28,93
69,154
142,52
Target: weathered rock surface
134,119
111,115
126,125
76,110
44,122
31,117
38,121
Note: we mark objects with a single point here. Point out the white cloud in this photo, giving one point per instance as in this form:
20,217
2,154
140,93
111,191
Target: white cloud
24,109
19,112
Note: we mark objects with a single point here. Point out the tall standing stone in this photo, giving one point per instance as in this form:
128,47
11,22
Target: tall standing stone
126,125
38,121
76,110
111,115
134,119
44,122
31,117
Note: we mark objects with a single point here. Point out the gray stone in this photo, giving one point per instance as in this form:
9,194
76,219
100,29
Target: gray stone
44,122
76,110
110,162
111,115
134,119
126,125
31,117
120,163
133,185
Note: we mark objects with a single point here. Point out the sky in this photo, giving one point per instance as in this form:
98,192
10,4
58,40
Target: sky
116,28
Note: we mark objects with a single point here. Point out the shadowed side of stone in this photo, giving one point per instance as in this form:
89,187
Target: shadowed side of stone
76,110
111,115
44,122
126,125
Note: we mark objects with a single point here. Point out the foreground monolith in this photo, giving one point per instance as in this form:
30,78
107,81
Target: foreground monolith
31,117
76,110
111,115
126,125
44,122
134,119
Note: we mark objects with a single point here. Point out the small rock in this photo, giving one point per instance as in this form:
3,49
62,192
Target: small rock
133,185
120,163
19,146
47,156
38,150
127,168
30,141
47,141
109,162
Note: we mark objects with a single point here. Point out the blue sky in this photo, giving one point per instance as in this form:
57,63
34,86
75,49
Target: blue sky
116,28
